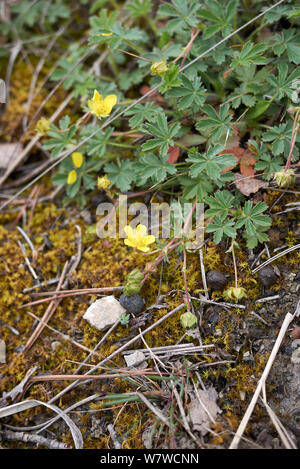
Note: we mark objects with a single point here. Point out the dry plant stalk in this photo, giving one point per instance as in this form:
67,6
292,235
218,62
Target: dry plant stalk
260,387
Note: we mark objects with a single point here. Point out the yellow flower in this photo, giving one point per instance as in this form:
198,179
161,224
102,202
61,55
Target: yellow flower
72,177
103,183
102,107
77,159
159,68
285,178
235,293
137,238
43,126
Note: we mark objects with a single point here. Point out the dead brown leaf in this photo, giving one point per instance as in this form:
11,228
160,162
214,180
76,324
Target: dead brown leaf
244,157
249,185
174,153
9,153
203,410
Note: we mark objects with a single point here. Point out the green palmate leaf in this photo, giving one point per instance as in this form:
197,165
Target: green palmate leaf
182,12
197,188
121,176
219,123
89,182
258,110
67,70
115,35
275,14
73,189
152,167
163,134
250,54
210,163
138,8
170,78
219,205
96,145
252,219
141,113
288,41
126,80
284,84
190,93
221,228
269,165
281,139
101,24
220,17
59,179
259,237
60,138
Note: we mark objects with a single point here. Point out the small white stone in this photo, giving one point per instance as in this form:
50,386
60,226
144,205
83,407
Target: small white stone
104,313
295,358
135,358
2,352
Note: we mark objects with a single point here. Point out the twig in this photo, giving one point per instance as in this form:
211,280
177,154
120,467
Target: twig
42,284
67,293
283,253
64,336
113,435
119,350
239,433
31,269
8,435
222,305
268,298
154,409
259,317
49,311
203,275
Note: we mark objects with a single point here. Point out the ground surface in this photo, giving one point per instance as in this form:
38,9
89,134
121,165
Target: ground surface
241,338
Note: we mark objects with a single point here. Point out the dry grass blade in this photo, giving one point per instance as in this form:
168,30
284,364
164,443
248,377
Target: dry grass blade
154,409
24,405
49,311
283,253
242,427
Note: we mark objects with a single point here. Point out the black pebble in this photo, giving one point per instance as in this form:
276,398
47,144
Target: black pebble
134,304
267,276
216,280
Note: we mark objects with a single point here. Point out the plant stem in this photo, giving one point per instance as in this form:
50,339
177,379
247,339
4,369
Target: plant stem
234,265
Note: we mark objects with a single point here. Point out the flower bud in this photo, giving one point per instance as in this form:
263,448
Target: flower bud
159,68
285,178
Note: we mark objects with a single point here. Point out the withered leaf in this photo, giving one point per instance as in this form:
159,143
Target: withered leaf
249,185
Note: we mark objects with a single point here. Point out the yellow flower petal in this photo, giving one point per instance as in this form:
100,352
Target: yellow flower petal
77,159
129,242
129,231
141,230
149,239
143,248
97,97
110,101
138,238
72,177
